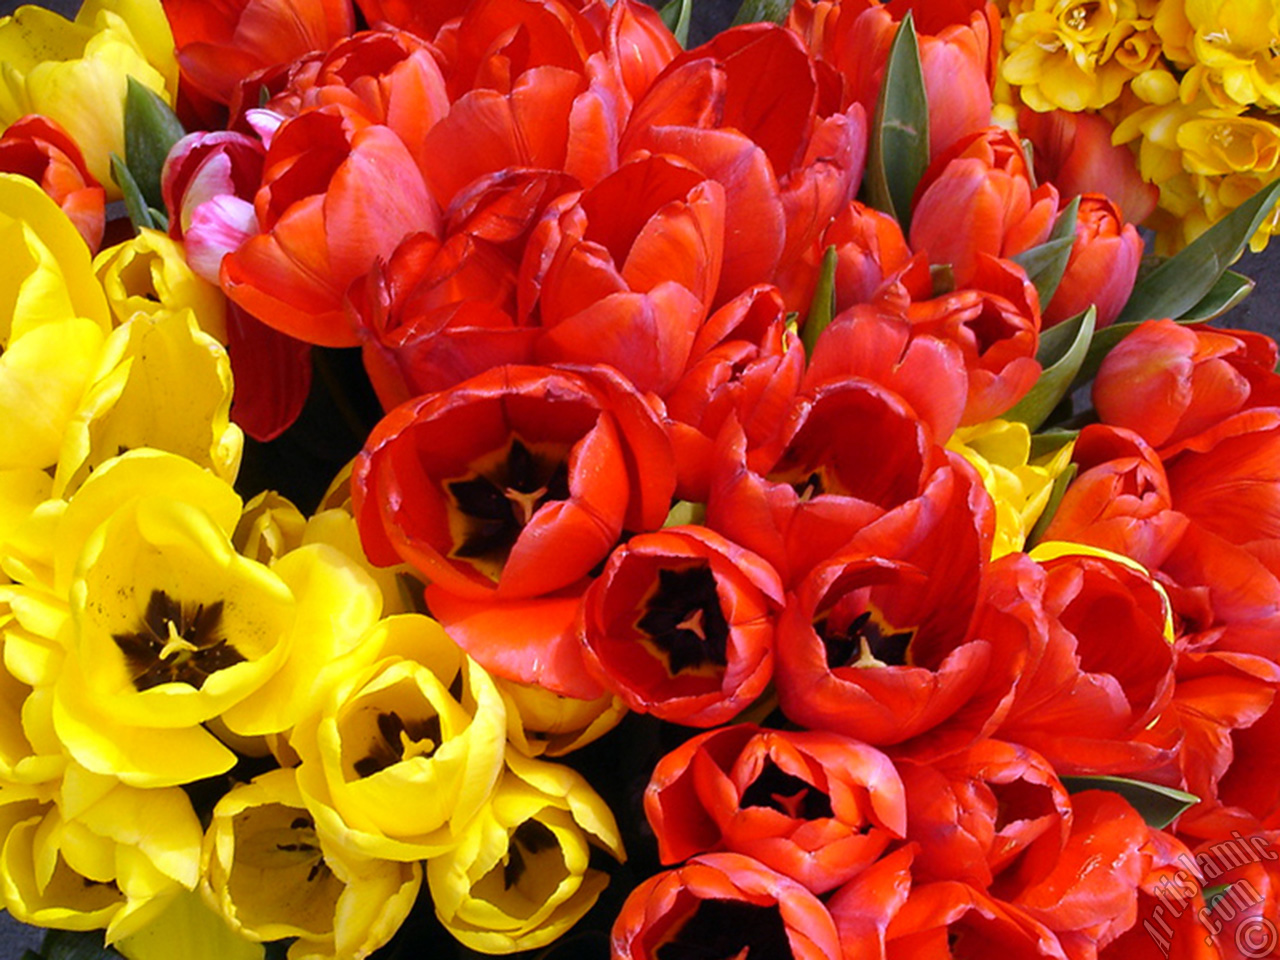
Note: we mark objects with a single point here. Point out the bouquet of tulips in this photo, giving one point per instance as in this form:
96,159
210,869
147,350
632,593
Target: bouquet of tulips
481,478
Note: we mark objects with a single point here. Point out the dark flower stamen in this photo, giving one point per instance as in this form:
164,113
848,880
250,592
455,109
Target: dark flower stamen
846,647
787,794
176,644
684,619
499,501
394,734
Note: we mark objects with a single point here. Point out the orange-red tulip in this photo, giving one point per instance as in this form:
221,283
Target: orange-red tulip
815,806
337,194
624,272
1074,151
1102,267
727,904
221,43
788,161
1166,381
680,624
40,150
995,321
984,183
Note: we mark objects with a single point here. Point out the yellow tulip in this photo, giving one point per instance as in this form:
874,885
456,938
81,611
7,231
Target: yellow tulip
149,274
1000,450
77,72
407,746
188,928
270,527
520,875
102,854
270,875
542,723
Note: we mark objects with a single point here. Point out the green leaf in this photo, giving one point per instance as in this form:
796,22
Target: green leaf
1045,264
76,945
823,307
1050,441
1226,293
1182,281
1158,805
676,15
1211,894
150,131
1060,484
1230,289
1062,350
30,955
134,202
756,11
899,149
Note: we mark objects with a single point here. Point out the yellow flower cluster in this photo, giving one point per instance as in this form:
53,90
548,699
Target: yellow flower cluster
157,632
1192,85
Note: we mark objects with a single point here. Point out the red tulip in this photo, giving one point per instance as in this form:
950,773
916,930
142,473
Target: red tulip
1074,151
637,44
423,19
874,643
747,367
870,250
972,814
1216,718
1085,890
680,625
1170,899
337,194
624,272
830,480
983,182
727,904
1103,674
788,161
1244,924
389,77
1102,267
1166,381
926,371
952,919
995,322
815,806
865,906
218,44
1120,501
40,150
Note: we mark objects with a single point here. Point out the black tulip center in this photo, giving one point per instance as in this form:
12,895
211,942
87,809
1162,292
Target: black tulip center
499,500
684,620
176,644
864,642
787,794
722,929
396,736
528,840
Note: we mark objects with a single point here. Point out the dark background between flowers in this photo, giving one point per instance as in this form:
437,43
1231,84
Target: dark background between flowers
318,449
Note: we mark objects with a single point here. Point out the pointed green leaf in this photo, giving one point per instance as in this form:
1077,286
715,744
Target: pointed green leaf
1228,292
1045,264
676,15
1158,805
1182,281
150,131
823,307
899,149
1061,353
1230,289
1050,441
1060,484
757,11
134,203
